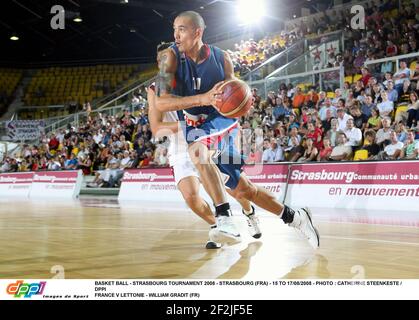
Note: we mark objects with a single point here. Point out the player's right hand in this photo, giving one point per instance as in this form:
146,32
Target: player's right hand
213,96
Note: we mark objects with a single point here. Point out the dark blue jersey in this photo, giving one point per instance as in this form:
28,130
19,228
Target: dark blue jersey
193,79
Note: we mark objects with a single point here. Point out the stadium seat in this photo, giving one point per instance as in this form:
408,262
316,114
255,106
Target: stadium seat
361,155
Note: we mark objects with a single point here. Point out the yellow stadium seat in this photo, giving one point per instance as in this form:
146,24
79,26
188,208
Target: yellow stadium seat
357,77
400,109
349,79
413,66
361,155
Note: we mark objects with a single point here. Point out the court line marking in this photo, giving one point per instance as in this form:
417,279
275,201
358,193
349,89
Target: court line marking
371,240
366,224
100,228
201,230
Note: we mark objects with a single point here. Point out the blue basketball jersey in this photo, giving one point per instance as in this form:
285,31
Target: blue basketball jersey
193,79
209,127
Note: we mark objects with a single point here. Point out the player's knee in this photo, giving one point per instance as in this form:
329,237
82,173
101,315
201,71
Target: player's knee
193,200
246,191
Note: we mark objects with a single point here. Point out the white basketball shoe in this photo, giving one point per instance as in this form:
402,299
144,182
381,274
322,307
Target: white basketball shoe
303,223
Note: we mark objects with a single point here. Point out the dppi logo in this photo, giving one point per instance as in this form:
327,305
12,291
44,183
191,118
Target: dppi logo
27,290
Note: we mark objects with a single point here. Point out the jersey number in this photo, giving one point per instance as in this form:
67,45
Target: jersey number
196,83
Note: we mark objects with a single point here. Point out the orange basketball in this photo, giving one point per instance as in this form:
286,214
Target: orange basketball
236,99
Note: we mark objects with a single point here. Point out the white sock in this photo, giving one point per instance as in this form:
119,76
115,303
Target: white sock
248,212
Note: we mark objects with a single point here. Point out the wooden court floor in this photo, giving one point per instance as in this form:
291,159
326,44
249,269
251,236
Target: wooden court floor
102,239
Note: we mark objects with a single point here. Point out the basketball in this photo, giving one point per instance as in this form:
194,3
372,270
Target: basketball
236,99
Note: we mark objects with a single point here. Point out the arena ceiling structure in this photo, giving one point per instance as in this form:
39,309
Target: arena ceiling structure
111,29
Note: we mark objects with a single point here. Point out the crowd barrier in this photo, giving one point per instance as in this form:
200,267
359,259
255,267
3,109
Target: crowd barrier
158,185
360,185
41,185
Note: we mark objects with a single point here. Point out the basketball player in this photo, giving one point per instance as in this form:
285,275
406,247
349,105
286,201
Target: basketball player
186,175
191,74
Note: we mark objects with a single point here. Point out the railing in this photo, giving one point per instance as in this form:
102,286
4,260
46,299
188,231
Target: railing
297,58
114,98
276,61
377,67
77,63
115,105
327,79
314,59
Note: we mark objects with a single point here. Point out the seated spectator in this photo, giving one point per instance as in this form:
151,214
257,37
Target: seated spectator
5,167
292,122
71,164
391,49
392,93
400,76
327,110
53,143
342,151
353,134
310,151
298,99
85,164
360,119
104,178
367,106
404,94
385,107
342,119
375,121
413,111
23,166
311,99
388,78
376,93
293,134
280,135
279,110
53,164
393,150
304,118
333,133
126,161
359,88
274,153
414,76
326,151
321,101
365,76
148,159
401,131
369,144
295,150
384,134
346,89
340,103
314,133
411,147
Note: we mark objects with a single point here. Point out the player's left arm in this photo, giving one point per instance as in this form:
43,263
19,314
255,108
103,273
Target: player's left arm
228,67
158,127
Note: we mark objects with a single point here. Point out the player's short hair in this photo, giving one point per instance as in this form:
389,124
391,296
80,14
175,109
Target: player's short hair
195,17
